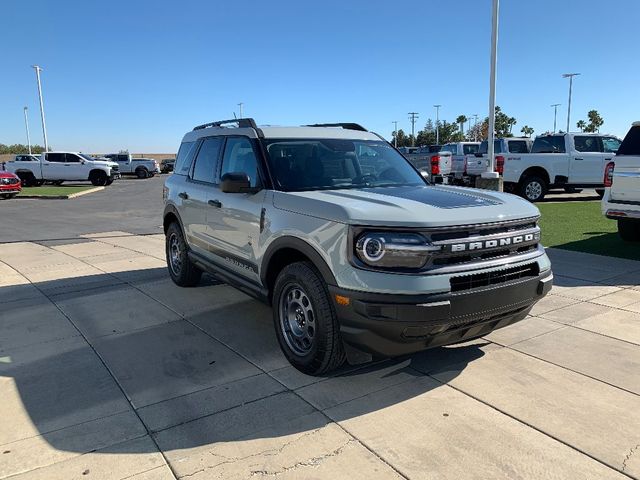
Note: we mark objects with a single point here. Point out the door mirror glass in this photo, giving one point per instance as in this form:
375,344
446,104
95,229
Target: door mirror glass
236,182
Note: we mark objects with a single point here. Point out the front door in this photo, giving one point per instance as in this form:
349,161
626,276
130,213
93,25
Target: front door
53,166
234,218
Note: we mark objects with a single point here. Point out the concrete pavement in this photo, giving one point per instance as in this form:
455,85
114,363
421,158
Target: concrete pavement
109,371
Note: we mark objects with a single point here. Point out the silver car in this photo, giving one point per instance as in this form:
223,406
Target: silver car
357,254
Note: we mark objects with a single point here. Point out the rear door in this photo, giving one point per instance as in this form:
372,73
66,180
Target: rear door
53,166
626,174
586,163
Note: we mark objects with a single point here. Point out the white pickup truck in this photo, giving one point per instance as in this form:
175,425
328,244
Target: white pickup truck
141,167
621,199
461,154
479,162
58,167
565,160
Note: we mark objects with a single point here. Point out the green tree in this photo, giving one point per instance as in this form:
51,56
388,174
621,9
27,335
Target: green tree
404,140
19,148
461,120
427,136
527,131
581,125
595,121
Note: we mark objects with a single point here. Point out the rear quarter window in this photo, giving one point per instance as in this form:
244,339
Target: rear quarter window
518,146
631,143
550,144
184,159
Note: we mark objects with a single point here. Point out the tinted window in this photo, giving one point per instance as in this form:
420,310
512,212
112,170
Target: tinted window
610,144
71,158
122,158
56,157
469,149
184,159
497,147
586,144
549,144
518,146
207,160
631,143
315,164
240,157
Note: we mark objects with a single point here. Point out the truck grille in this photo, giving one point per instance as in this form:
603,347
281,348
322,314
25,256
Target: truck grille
115,168
486,279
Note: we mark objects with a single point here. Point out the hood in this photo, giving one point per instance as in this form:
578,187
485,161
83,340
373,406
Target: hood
5,174
408,206
106,163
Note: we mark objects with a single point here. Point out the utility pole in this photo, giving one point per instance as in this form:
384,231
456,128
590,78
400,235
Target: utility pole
26,125
475,130
240,105
570,77
437,124
490,173
395,133
555,114
44,126
412,118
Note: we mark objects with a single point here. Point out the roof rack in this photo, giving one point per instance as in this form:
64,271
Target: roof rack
346,126
242,123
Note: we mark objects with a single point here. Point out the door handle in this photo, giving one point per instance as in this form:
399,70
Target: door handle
183,195
215,203
580,159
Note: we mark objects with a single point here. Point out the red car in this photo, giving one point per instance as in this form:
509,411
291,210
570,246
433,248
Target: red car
10,185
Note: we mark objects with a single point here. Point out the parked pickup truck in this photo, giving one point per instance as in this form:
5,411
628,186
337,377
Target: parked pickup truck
141,167
565,160
461,154
621,199
57,167
479,163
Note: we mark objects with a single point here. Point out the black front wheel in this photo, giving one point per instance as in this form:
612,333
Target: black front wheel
98,178
183,272
142,173
305,320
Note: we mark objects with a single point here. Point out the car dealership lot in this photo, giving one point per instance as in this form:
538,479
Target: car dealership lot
109,370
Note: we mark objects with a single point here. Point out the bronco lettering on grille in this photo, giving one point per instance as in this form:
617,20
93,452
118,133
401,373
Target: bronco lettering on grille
494,243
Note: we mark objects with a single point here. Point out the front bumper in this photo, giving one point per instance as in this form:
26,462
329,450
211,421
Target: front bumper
392,325
14,188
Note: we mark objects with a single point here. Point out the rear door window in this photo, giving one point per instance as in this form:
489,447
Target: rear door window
207,160
518,146
184,159
631,143
585,143
56,157
549,144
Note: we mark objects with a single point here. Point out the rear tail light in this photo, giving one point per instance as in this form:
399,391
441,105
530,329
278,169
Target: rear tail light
608,174
435,165
499,167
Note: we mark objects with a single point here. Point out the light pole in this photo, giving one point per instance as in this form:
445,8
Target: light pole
437,107
555,114
26,125
570,77
395,133
240,105
475,129
44,126
492,92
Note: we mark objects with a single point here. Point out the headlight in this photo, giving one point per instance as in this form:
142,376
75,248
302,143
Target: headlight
394,250
4,181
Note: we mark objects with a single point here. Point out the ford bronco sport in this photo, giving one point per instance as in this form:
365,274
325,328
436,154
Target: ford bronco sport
357,254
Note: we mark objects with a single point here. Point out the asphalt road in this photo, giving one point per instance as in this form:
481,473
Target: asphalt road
128,204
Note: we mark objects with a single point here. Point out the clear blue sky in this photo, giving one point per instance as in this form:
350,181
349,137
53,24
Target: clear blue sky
139,74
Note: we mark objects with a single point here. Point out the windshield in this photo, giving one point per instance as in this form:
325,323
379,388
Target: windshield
317,164
87,157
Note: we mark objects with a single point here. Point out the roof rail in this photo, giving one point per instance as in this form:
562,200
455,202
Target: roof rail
242,123
346,126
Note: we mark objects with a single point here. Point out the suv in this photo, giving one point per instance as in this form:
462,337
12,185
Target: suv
358,255
621,199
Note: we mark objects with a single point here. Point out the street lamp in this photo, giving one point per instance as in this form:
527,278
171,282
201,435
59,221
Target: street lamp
570,77
555,114
240,105
44,126
395,133
437,124
26,125
492,92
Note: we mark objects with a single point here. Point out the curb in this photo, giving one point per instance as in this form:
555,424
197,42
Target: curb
59,197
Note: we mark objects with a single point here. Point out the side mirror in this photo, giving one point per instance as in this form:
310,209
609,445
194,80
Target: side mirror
236,182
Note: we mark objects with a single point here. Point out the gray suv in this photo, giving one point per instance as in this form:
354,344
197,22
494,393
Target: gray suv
357,254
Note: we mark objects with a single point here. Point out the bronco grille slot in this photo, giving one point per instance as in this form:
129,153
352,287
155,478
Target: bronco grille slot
486,279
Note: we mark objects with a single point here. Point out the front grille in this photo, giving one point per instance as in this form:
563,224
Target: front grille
486,279
115,168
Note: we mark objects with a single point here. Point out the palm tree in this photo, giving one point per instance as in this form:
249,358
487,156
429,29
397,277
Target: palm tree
527,131
461,120
581,125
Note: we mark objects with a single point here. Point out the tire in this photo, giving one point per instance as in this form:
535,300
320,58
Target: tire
600,192
572,190
305,320
142,173
109,181
182,271
533,188
629,230
27,179
57,183
98,178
